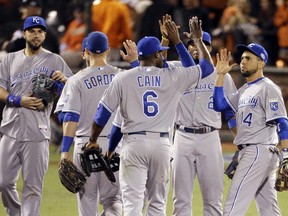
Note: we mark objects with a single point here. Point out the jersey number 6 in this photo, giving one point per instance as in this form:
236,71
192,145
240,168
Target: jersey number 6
151,108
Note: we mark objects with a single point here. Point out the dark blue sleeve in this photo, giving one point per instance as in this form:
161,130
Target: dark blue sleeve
184,55
102,116
282,124
70,116
60,116
219,102
229,115
206,67
114,138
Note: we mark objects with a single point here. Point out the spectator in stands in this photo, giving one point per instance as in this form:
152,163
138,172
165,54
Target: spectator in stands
281,21
71,42
114,19
191,8
268,31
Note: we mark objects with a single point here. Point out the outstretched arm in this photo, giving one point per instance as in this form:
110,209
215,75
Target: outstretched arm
222,68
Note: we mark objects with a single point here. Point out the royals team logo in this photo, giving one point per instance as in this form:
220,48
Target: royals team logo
274,106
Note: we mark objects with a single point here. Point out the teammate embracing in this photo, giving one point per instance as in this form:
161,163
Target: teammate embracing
260,115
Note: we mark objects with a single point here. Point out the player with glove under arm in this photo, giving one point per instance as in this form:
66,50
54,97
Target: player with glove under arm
82,94
260,114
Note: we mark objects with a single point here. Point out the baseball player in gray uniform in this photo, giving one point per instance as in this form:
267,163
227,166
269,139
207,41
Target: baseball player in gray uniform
197,146
25,127
260,114
83,92
148,96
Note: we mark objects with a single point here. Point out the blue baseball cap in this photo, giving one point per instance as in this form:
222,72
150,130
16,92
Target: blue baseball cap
34,21
97,42
149,45
206,38
84,44
256,49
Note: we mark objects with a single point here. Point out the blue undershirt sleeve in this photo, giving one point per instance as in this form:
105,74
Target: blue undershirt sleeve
70,116
114,138
184,55
206,67
102,116
219,102
282,124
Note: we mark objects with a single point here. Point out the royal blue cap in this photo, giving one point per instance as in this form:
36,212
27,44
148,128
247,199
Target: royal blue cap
148,45
206,38
256,49
84,44
97,42
34,21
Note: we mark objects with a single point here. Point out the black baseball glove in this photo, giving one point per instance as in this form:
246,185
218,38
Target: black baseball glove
92,160
232,166
70,176
282,176
46,88
114,162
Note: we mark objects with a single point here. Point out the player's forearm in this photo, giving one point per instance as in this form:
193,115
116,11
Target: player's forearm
3,94
95,132
219,80
69,128
184,55
203,51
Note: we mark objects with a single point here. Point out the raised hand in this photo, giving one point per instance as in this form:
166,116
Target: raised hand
172,30
195,27
131,50
222,65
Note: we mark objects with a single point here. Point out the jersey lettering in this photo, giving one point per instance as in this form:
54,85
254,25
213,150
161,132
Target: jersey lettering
210,103
249,101
152,80
150,108
99,80
16,78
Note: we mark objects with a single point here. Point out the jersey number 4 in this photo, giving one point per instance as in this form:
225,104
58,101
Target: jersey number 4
247,119
151,108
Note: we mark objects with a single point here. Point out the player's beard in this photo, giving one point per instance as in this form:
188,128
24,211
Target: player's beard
33,46
248,73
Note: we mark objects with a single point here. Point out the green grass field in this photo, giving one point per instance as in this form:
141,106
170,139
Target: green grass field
57,201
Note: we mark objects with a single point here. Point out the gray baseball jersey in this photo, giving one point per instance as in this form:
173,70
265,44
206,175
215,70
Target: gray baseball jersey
257,104
200,100
85,89
18,73
158,90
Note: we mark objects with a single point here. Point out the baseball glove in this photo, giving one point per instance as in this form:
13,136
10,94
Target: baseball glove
282,176
45,88
92,160
70,176
232,166
114,162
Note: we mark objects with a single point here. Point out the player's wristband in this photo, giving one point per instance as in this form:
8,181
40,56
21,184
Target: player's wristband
135,63
66,143
13,101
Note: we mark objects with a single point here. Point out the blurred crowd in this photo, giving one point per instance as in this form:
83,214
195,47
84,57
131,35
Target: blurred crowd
229,22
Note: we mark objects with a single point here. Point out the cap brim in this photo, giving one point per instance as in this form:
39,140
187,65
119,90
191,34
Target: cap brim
242,48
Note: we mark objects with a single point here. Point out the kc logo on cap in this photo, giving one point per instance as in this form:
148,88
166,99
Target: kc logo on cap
34,21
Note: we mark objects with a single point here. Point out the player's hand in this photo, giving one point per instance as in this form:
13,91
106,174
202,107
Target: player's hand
195,27
173,33
131,50
162,27
32,103
222,65
59,76
89,145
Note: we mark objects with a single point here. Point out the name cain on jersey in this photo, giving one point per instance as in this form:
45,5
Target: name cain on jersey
149,80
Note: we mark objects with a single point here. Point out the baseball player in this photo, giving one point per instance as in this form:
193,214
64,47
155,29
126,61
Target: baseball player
83,92
260,115
148,96
197,148
25,127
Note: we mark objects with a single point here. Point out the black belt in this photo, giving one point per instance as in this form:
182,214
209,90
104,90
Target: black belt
161,134
201,130
240,147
